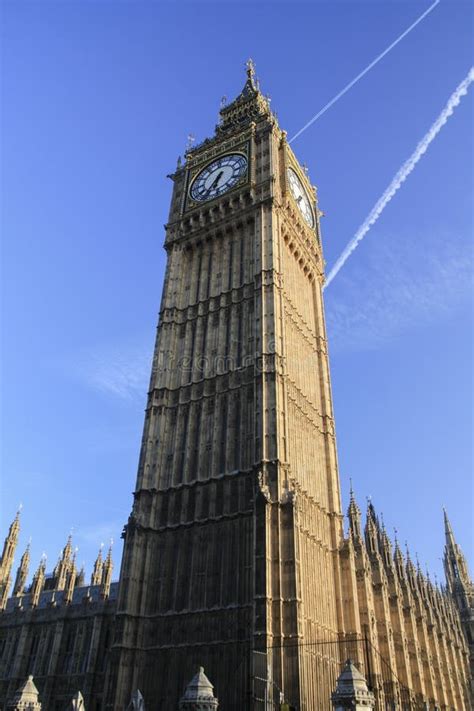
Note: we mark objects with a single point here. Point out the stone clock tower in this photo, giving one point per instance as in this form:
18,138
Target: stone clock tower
230,558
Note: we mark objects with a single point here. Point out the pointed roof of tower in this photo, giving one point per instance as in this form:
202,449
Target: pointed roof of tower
353,505
137,702
353,514
27,696
398,556
81,576
372,529
448,531
351,688
67,550
15,524
249,105
455,564
250,86
77,702
11,540
199,689
108,558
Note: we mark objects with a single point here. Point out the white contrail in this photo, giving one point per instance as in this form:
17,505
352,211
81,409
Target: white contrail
402,174
364,71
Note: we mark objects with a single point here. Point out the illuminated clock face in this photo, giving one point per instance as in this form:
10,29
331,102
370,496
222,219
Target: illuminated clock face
301,197
218,177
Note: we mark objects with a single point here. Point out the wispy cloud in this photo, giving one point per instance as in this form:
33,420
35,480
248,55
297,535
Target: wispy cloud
119,371
397,289
102,532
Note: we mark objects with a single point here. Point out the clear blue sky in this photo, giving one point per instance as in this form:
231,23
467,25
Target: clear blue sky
97,102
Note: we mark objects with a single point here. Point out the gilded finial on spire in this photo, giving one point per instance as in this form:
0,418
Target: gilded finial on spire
250,64
418,566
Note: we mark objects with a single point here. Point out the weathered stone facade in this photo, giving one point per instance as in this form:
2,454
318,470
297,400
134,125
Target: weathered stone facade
235,546
60,630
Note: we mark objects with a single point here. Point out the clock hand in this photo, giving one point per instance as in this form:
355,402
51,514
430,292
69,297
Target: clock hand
215,182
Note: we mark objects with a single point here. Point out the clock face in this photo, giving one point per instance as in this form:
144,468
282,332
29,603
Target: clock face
218,177
301,197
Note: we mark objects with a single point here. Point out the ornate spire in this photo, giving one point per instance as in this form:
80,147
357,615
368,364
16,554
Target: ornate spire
398,558
107,573
410,568
67,550
354,516
38,582
96,576
137,702
385,547
77,702
455,565
7,559
63,566
371,530
250,66
459,584
71,580
22,573
81,577
249,105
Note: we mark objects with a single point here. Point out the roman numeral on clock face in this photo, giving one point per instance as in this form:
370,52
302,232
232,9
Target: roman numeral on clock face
218,177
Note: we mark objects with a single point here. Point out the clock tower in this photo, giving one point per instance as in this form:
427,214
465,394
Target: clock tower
231,550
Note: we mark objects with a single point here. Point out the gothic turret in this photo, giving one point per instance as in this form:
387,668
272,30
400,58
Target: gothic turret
38,582
6,561
63,566
371,531
107,574
96,576
354,515
455,566
385,548
22,573
398,560
352,691
250,104
410,569
199,694
71,580
81,577
26,698
461,588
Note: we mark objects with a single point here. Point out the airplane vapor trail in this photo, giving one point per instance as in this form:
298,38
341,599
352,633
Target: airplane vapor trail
402,174
364,71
